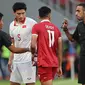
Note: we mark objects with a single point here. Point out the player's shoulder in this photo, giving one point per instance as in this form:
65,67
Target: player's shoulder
37,25
2,33
12,23
11,26
28,19
55,26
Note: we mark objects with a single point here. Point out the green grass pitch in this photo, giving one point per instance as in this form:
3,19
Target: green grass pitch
56,82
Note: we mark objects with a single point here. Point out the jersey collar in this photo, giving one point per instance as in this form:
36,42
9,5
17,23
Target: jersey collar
45,20
15,24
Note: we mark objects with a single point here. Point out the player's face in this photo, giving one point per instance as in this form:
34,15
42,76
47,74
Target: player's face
80,13
20,15
1,24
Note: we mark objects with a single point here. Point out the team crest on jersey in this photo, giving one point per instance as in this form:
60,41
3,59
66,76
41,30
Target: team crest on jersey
24,26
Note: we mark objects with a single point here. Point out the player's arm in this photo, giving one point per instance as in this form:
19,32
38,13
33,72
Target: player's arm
10,61
13,49
65,29
35,32
7,42
10,58
33,43
12,54
59,70
60,51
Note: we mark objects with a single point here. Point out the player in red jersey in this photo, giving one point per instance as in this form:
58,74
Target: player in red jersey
49,45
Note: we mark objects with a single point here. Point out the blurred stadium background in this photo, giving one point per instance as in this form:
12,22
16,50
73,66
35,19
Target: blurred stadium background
60,9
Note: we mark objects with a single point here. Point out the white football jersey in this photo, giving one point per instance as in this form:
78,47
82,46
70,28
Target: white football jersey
21,33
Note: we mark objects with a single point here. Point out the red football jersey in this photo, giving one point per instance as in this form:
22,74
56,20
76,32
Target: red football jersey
47,43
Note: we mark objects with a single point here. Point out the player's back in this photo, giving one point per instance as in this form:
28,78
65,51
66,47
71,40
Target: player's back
47,44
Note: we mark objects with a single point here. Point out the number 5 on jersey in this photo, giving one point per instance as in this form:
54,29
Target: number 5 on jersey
51,37
18,36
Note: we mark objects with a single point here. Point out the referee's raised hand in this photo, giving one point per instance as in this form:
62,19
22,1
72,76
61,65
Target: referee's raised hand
65,25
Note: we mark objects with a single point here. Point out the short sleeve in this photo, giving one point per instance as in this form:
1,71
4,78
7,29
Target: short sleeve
59,33
6,39
11,31
33,23
35,29
75,36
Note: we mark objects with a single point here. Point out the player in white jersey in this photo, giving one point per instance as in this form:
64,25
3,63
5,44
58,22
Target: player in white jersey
20,32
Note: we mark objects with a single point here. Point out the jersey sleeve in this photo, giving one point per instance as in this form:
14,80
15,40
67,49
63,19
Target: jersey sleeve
11,31
35,30
33,22
6,39
59,34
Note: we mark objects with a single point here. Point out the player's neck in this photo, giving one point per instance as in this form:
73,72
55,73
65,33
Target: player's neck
19,22
45,19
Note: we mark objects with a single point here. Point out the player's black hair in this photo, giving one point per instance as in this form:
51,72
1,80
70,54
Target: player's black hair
82,4
1,15
19,6
44,11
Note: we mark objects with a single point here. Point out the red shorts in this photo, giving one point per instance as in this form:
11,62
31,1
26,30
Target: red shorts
46,73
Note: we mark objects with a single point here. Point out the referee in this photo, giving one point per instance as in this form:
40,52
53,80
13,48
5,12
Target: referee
78,36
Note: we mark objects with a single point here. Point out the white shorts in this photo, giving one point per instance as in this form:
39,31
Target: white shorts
23,73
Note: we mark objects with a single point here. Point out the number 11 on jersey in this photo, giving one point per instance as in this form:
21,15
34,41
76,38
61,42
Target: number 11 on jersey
51,37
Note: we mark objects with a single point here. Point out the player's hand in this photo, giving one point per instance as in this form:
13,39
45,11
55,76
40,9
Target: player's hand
64,24
9,66
34,59
59,71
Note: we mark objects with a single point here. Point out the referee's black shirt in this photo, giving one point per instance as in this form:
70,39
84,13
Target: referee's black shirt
4,39
79,36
